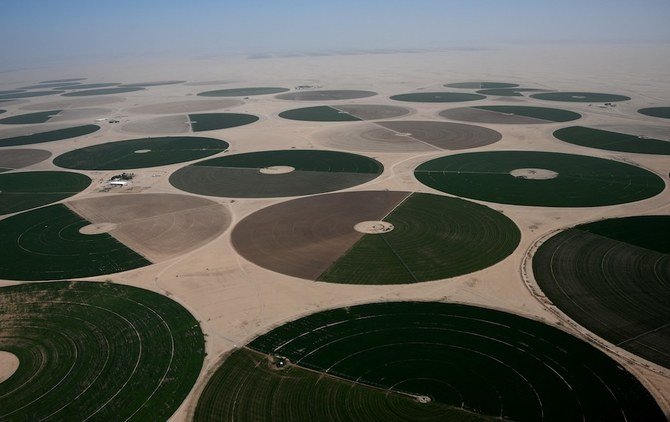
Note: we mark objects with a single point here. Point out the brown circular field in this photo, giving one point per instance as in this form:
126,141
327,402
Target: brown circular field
417,237
74,103
508,114
408,136
189,106
11,159
325,95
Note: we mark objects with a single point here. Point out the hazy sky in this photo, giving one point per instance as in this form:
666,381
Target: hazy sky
34,30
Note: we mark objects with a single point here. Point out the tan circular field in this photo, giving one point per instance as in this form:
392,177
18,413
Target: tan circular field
9,363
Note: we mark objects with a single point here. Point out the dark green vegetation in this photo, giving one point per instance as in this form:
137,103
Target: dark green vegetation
370,362
481,85
49,136
102,91
3,111
663,112
542,113
51,85
30,189
437,97
318,114
613,278
99,351
612,141
30,118
45,244
580,97
581,182
156,83
242,92
212,121
91,86
434,237
28,94
507,92
140,153
63,80
240,175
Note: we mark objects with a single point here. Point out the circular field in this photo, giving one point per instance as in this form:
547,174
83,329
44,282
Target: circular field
27,94
437,97
100,351
52,85
12,159
580,97
344,113
188,106
106,234
510,114
243,92
251,175
612,141
63,80
197,122
92,86
103,91
612,277
30,189
581,182
662,112
154,83
27,136
408,136
123,154
54,116
422,361
481,85
434,237
326,95
507,92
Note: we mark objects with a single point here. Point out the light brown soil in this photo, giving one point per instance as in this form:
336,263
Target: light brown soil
373,112
277,237
159,125
80,114
190,106
370,138
443,135
9,363
158,226
476,115
325,95
80,102
18,158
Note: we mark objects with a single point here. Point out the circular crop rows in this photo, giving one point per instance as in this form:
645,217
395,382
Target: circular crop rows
326,95
242,92
579,181
434,237
421,361
580,97
101,351
662,112
140,153
612,141
344,113
12,159
437,97
510,114
48,136
612,277
255,175
24,190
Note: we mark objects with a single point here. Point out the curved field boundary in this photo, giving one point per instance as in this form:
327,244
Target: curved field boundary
612,141
470,363
243,92
318,114
25,190
153,152
45,244
49,136
662,112
101,351
481,85
542,113
581,181
102,91
30,118
326,95
580,97
507,92
240,175
212,121
437,97
27,94
612,278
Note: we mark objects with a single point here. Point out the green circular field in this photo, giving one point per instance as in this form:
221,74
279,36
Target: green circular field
422,361
92,86
612,277
507,92
51,85
612,141
49,136
30,118
481,85
539,179
30,189
437,97
102,91
433,237
509,114
140,153
580,97
243,92
271,174
201,122
28,94
98,351
662,112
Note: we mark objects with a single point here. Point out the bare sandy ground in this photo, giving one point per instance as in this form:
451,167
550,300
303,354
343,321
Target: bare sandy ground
236,300
9,363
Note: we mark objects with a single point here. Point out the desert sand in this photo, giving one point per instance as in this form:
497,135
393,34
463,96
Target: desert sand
236,300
